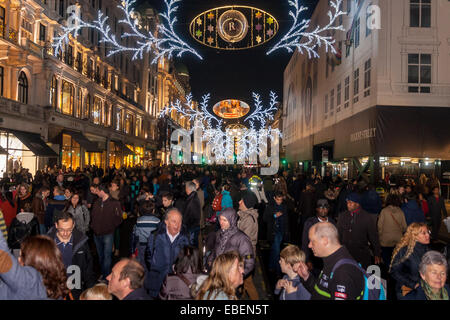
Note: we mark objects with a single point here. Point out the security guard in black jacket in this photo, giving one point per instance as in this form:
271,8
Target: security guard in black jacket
345,282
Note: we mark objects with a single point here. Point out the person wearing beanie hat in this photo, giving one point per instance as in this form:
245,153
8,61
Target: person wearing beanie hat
248,223
356,230
230,238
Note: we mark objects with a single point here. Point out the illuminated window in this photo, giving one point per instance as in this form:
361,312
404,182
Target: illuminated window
96,110
23,88
119,119
87,107
79,108
67,97
54,92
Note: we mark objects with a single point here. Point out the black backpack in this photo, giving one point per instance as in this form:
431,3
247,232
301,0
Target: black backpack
19,231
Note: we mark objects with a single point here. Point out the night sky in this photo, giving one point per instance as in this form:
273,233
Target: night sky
228,74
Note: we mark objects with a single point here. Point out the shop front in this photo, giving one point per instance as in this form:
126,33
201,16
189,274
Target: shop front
136,158
78,151
119,152
19,149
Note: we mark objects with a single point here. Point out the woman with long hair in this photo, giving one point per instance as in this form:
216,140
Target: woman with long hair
79,212
226,275
406,258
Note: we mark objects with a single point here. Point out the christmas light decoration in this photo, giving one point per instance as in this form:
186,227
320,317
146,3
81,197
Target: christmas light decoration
221,143
167,43
298,37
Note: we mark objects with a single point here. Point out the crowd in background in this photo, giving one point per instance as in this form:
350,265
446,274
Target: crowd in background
190,232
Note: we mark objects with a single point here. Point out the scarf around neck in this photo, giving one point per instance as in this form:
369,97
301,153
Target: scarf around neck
441,295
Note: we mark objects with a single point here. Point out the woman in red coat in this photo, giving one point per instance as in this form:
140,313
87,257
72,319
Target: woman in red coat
8,207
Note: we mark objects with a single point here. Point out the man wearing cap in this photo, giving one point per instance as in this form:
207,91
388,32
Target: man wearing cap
322,209
356,230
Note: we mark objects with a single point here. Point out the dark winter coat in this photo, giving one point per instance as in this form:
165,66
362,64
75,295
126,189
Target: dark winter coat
192,211
412,212
52,206
233,239
17,232
160,256
406,273
38,208
307,204
419,293
106,216
275,225
81,257
22,201
437,208
138,294
356,232
371,202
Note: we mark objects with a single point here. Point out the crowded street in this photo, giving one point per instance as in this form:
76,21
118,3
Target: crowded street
253,152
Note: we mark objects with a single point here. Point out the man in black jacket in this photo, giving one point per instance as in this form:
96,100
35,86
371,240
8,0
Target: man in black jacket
437,209
356,229
74,249
335,282
192,213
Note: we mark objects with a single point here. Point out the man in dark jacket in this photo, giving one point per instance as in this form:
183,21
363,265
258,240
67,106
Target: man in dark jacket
58,203
126,280
356,229
230,238
315,264
162,250
336,282
106,216
437,209
276,217
307,203
75,252
192,213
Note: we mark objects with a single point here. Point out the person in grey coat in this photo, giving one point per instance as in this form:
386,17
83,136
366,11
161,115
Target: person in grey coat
79,212
230,238
18,282
437,209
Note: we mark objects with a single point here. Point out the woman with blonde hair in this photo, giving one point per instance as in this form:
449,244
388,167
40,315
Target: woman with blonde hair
406,258
97,292
226,275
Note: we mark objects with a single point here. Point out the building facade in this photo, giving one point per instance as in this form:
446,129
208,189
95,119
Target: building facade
79,107
380,105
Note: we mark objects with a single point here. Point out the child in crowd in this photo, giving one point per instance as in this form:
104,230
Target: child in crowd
290,287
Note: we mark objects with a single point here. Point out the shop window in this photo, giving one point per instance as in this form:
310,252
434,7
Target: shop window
67,97
71,152
19,156
115,154
23,88
128,123
128,160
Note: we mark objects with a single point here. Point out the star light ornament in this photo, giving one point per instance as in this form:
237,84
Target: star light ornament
298,37
251,143
165,43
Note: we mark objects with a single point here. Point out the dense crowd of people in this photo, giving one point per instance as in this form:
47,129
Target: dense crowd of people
191,232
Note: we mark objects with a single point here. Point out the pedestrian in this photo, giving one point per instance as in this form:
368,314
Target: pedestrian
39,207
225,277
192,213
23,196
337,280
24,225
8,207
290,286
437,210
433,273
79,212
126,280
58,203
406,258
163,247
186,269
97,292
75,251
391,227
106,216
411,209
357,229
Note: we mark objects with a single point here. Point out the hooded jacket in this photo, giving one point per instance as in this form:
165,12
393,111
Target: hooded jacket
233,239
17,282
248,223
412,212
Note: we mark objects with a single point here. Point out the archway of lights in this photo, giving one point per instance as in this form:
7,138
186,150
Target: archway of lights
232,143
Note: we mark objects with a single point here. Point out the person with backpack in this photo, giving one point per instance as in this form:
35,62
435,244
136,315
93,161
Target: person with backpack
24,225
216,206
337,280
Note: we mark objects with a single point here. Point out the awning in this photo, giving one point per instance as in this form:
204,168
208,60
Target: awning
34,142
126,151
84,142
3,151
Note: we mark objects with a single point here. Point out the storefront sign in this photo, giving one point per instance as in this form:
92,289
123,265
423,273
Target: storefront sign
363,135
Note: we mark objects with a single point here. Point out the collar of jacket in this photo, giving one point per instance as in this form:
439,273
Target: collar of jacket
356,211
25,196
79,239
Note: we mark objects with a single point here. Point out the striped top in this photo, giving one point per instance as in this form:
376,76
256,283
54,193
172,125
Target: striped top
3,226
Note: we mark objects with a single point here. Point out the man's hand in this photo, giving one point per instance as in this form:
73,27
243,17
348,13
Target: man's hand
378,260
303,271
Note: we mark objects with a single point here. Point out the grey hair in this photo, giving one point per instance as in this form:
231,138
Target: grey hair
175,210
326,230
432,257
191,186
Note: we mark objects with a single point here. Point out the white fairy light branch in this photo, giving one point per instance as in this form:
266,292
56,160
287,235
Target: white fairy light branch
260,113
298,37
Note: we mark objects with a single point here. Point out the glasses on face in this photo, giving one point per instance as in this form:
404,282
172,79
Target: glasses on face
64,231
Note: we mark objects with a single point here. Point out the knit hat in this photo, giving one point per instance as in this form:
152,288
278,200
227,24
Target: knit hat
249,199
354,197
322,203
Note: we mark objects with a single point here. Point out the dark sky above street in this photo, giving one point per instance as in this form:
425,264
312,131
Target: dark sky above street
234,74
